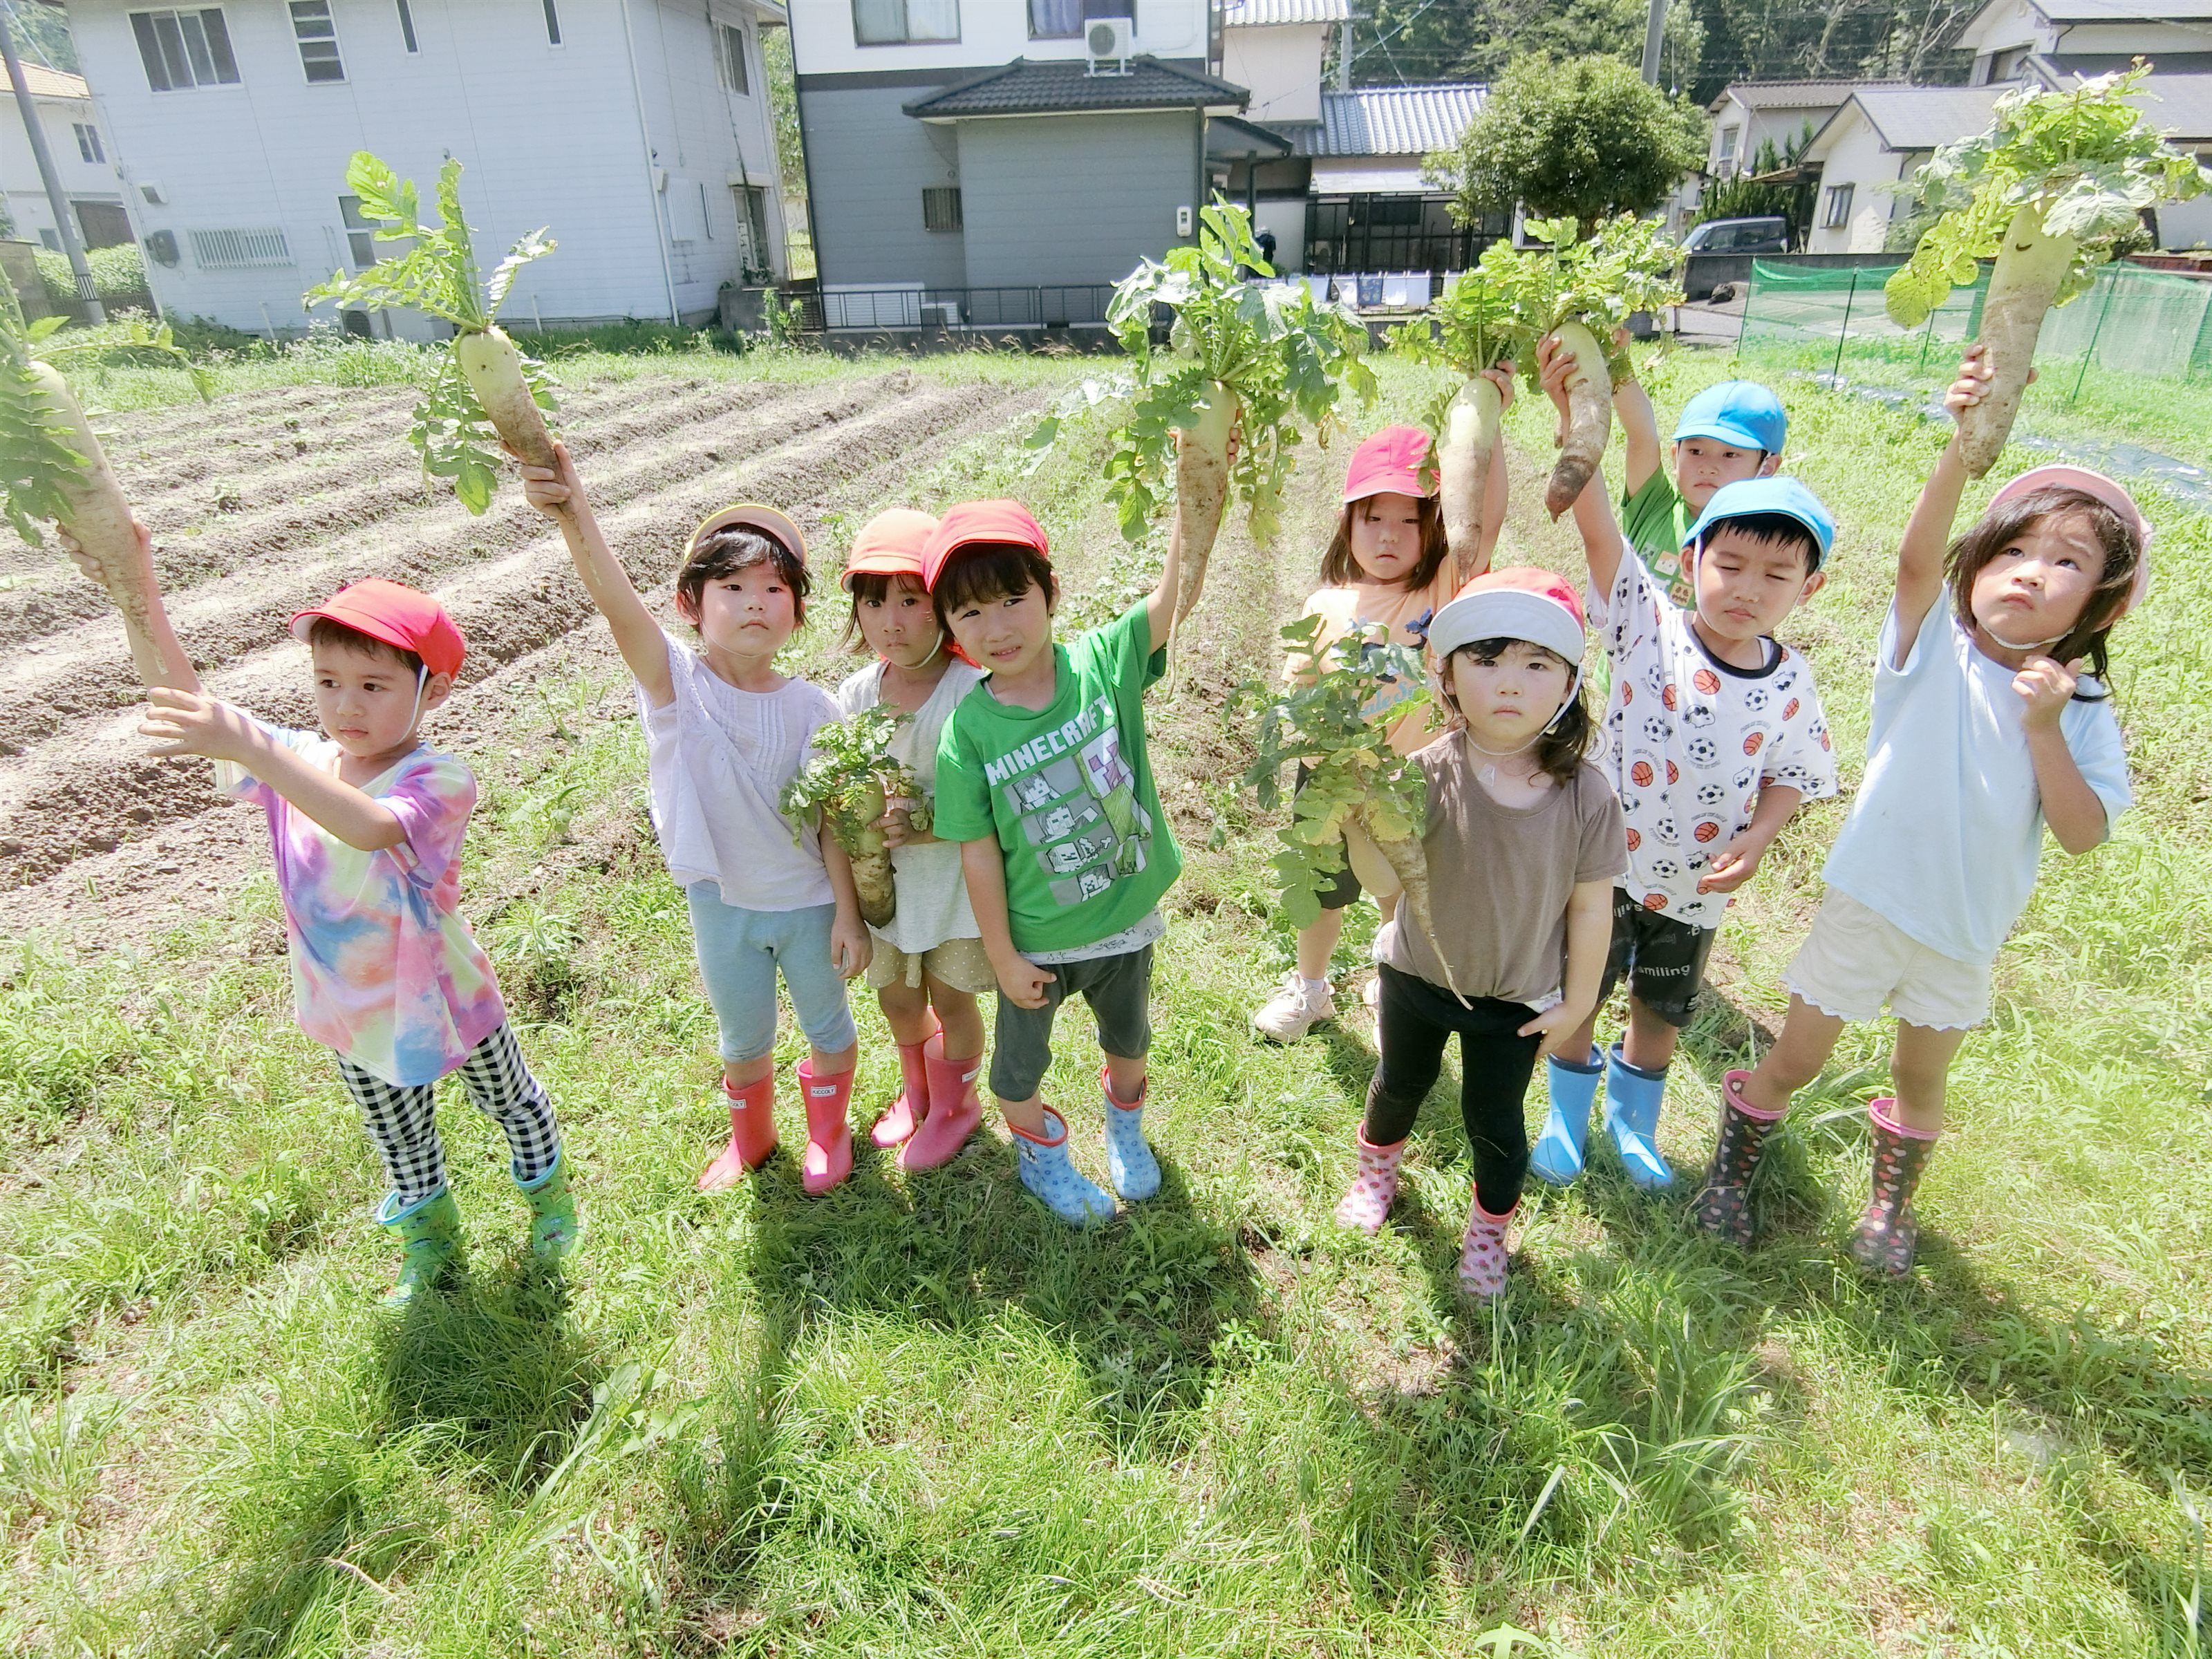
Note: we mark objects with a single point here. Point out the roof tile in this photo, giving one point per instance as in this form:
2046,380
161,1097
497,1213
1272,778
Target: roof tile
45,82
1263,14
1066,85
1389,120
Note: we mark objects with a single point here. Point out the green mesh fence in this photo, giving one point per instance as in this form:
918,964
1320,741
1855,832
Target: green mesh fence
2134,322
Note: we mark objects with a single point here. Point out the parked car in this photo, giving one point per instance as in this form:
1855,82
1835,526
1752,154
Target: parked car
1765,235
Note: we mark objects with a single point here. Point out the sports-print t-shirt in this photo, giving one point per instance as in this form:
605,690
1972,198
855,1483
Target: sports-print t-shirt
1406,612
384,969
1067,792
1657,521
1691,740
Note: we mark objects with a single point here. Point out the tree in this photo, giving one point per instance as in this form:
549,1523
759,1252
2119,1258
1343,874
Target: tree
42,36
1581,140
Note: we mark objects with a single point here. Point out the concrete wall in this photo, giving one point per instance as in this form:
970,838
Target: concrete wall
1075,198
991,32
869,162
1280,67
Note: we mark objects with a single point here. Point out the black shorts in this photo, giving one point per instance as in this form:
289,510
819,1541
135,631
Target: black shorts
1662,959
1341,891
1118,990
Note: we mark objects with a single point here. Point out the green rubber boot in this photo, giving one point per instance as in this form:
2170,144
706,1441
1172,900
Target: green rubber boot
555,1229
429,1233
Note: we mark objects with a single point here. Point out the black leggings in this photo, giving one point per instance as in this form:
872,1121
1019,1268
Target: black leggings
1495,1062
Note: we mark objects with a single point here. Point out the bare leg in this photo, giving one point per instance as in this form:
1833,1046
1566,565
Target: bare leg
828,1065
1648,1042
1317,943
743,1073
1920,1069
906,1010
1126,1077
1027,1115
960,1016
1809,1037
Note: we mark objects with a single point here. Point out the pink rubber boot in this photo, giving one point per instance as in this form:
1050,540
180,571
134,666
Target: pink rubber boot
905,1115
752,1134
1367,1200
955,1109
1482,1253
828,1155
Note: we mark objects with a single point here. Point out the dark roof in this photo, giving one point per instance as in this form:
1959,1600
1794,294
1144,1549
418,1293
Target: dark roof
1065,86
2088,63
1389,120
2179,103
1232,138
1792,94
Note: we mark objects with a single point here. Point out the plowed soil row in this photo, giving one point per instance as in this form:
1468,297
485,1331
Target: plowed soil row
84,811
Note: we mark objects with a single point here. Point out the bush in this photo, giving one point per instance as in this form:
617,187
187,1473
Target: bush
118,276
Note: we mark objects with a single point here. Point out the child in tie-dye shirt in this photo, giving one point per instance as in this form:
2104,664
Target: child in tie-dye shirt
366,821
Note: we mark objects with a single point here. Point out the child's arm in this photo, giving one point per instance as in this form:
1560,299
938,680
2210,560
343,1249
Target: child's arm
1493,488
1021,981
1160,604
1921,554
1589,937
177,672
2073,810
1594,518
193,723
1639,428
637,636
1738,862
850,946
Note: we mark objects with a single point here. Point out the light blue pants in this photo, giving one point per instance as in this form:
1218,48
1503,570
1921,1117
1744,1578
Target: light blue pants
739,952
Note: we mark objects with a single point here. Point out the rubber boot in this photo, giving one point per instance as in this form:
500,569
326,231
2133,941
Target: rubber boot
828,1158
1049,1173
1557,1158
1367,1200
1632,1099
1724,1202
555,1227
752,1134
1482,1253
430,1234
1130,1165
955,1109
1887,1232
906,1114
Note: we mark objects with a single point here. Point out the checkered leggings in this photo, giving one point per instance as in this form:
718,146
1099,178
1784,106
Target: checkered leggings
404,1124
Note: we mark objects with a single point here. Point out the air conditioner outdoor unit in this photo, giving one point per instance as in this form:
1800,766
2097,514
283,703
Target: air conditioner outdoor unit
1106,40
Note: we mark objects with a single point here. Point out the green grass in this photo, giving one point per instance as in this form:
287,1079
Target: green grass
917,1417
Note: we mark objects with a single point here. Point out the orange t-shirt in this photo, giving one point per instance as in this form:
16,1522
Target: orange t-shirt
1406,611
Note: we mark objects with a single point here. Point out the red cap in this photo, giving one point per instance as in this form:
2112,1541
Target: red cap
890,544
1522,603
1394,460
971,524
397,615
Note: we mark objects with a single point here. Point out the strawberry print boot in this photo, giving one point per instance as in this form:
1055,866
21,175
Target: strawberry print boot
1482,1253
1367,1200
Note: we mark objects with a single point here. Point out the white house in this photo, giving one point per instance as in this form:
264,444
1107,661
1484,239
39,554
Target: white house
1749,113
1274,47
1870,145
83,157
2090,36
640,130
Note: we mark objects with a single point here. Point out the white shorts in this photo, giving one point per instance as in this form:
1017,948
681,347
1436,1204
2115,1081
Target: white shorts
1855,959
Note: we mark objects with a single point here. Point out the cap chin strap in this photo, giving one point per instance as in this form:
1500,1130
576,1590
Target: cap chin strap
2029,645
421,679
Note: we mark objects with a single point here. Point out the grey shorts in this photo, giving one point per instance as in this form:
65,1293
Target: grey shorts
1119,989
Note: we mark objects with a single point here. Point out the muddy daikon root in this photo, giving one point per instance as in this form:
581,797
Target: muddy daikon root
849,784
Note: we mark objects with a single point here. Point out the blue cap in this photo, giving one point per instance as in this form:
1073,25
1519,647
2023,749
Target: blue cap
1749,497
1740,412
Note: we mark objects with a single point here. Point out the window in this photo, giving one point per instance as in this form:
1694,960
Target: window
87,142
1063,19
751,201
1729,137
552,24
239,250
733,60
895,22
940,208
184,49
2005,66
318,40
407,26
1837,212
361,235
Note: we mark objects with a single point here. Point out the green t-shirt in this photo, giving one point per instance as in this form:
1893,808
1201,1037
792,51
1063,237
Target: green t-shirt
1067,790
1657,521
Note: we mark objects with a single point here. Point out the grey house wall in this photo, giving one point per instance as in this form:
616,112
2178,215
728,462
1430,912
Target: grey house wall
1072,199
868,162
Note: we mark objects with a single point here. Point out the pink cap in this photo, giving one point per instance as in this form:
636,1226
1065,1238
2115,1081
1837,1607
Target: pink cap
2060,475
399,615
1394,460
1521,603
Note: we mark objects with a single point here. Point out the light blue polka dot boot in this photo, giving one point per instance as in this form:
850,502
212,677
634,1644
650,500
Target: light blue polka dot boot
1130,1165
1049,1173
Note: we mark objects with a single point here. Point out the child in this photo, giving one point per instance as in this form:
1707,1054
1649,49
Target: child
1984,729
1041,774
1715,734
1524,843
366,823
929,956
724,733
1385,565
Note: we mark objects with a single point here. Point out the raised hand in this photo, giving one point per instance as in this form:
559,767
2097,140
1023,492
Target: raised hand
2046,685
193,723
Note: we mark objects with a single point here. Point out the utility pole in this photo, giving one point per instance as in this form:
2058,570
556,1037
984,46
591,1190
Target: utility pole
1655,32
72,244
1344,58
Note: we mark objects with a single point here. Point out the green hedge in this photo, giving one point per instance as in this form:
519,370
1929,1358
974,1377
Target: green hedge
118,276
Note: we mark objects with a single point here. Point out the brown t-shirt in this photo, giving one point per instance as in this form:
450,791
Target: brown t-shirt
1500,877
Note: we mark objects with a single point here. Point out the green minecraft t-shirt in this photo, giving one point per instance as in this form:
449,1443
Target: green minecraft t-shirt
1657,521
1067,790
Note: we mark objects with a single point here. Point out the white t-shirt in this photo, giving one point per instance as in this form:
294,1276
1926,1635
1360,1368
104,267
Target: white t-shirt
1690,740
932,892
716,761
1947,832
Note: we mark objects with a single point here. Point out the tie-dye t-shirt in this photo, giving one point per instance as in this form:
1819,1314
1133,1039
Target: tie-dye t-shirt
384,969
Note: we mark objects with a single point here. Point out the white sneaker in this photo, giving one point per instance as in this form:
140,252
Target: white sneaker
1294,1011
1371,993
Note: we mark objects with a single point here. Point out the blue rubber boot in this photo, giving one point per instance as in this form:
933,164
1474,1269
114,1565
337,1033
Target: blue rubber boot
1558,1155
1633,1098
1130,1165
1049,1172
